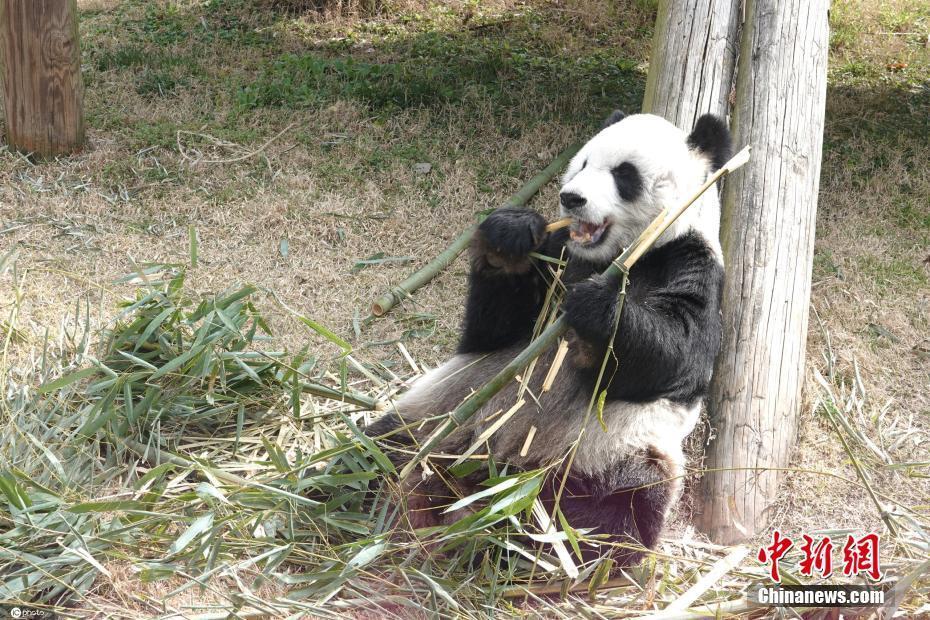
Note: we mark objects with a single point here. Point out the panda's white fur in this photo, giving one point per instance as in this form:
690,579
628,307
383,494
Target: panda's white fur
631,472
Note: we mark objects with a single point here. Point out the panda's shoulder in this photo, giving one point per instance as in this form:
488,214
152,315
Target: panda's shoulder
688,252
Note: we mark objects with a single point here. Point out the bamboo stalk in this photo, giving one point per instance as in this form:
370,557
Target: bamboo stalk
620,265
351,397
417,279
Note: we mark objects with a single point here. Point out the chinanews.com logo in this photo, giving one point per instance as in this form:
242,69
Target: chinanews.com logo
859,558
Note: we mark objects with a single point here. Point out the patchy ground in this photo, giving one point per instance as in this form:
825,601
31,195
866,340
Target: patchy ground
289,142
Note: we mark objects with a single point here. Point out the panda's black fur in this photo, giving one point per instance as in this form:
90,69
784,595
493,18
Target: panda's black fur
623,481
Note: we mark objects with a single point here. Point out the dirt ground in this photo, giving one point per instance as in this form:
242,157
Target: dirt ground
195,120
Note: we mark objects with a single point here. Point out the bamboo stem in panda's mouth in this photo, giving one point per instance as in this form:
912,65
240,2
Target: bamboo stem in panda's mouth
556,225
551,334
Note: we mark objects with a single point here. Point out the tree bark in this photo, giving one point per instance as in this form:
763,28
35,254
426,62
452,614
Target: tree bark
694,51
767,228
42,87
767,232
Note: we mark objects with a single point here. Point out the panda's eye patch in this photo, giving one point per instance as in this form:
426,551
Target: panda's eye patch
628,181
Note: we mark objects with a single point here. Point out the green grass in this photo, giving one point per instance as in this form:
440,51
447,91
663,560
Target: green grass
415,63
909,18
438,69
913,212
892,274
508,74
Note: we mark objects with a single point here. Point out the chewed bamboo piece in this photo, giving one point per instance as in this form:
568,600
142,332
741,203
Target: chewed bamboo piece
528,442
555,366
551,334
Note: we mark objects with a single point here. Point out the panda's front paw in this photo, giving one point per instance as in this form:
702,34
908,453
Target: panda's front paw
506,237
513,231
591,308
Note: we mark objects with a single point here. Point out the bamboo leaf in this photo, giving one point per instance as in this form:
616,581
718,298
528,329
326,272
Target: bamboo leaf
107,506
600,576
379,259
518,500
137,360
177,362
436,588
61,382
367,555
150,329
205,490
571,534
601,400
99,414
474,497
15,494
198,527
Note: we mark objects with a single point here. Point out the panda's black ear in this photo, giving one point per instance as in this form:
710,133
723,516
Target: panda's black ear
615,117
711,136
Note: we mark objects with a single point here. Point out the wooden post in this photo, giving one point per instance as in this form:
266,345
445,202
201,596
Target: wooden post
767,228
42,87
767,231
693,62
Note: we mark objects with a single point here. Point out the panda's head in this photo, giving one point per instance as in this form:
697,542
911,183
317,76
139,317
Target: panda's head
634,167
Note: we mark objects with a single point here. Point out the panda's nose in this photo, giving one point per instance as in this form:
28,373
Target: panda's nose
571,200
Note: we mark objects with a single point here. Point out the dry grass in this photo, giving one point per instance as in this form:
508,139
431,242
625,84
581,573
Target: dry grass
340,186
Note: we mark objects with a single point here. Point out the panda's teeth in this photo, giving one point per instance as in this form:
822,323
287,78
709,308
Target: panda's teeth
580,236
586,233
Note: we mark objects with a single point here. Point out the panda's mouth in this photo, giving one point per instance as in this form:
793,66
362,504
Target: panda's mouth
586,233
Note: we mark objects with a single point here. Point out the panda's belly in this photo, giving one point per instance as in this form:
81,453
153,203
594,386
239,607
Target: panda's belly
559,415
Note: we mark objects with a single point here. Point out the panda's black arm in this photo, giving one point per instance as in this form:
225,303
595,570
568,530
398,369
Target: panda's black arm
669,331
506,287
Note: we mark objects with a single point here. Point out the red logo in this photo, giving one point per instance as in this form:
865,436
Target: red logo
774,552
860,556
817,557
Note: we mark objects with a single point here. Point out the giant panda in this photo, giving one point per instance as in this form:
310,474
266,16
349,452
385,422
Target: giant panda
623,479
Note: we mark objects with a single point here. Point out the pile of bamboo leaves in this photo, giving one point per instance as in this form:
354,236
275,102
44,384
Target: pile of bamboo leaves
176,391
177,444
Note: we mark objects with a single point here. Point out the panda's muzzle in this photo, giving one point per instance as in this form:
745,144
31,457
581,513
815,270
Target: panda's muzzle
581,232
571,201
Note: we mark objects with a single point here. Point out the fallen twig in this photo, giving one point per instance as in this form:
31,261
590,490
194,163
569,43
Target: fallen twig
197,160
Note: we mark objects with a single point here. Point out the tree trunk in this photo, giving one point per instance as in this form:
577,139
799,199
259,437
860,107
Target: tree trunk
693,60
42,87
767,232
767,229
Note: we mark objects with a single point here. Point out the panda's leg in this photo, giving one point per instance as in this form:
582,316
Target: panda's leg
628,504
506,286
